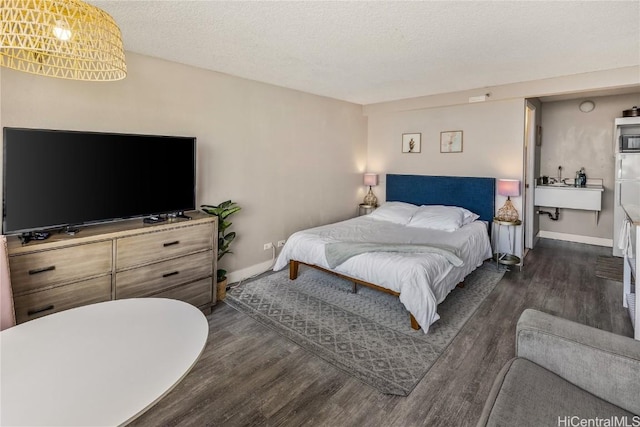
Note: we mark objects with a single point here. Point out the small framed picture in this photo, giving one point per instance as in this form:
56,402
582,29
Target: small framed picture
451,141
411,142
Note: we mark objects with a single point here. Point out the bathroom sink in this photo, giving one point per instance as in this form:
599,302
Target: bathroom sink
560,195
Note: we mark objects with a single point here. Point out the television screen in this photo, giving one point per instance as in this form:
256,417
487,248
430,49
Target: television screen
57,178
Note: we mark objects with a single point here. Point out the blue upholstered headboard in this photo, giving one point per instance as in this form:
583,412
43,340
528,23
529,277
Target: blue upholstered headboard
476,194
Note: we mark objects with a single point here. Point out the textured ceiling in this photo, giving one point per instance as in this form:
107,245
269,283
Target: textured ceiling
368,52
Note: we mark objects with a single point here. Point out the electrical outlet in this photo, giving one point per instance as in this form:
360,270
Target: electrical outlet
268,246
281,243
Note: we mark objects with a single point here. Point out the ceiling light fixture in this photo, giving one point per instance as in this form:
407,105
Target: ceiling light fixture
587,106
62,31
67,39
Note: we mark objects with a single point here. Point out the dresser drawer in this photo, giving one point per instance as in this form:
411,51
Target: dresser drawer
150,247
154,278
48,268
197,293
38,304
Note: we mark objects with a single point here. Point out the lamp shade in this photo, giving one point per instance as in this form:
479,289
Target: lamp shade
68,39
370,179
509,187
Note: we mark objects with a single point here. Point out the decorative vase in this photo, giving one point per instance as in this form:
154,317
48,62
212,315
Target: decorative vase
221,290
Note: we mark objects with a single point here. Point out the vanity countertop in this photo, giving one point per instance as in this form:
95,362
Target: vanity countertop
592,187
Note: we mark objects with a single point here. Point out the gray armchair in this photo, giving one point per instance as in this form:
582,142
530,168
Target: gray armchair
565,372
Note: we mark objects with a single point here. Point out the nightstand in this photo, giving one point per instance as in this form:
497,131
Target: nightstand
365,209
504,257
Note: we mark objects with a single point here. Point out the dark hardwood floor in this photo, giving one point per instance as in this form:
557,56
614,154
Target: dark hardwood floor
249,375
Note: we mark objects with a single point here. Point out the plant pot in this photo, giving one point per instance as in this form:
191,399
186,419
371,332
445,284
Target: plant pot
221,290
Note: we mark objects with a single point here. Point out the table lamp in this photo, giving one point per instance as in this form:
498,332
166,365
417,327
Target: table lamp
370,179
508,187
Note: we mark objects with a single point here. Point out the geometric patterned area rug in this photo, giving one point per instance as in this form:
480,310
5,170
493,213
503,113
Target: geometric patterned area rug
367,334
609,267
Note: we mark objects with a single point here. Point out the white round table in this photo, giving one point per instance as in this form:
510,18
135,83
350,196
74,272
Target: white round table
100,364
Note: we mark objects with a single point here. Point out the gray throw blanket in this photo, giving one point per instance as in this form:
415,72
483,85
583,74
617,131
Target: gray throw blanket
337,253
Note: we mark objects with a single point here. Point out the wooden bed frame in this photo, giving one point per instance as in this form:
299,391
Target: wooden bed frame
475,194
293,275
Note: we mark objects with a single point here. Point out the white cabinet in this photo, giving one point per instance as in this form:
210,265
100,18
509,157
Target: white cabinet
631,268
627,175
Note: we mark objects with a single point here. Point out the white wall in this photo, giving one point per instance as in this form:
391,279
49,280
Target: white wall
573,139
291,160
493,143
492,140
493,130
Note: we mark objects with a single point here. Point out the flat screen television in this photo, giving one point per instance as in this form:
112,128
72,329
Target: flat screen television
56,178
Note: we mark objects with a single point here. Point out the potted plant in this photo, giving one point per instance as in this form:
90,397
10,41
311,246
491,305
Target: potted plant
223,211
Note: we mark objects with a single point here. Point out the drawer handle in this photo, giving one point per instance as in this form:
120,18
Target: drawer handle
42,270
175,242
40,310
173,273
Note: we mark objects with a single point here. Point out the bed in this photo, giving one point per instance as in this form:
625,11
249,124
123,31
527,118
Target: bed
397,249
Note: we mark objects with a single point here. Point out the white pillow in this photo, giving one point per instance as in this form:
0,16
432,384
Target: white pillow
437,217
396,212
469,216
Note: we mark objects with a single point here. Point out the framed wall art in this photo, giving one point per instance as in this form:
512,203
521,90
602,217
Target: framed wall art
451,141
411,142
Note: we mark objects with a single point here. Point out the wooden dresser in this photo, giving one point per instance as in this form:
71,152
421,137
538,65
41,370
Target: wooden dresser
125,259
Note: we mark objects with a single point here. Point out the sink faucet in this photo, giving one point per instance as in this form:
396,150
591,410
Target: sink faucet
559,173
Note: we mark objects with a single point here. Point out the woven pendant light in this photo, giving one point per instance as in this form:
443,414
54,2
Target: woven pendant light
68,39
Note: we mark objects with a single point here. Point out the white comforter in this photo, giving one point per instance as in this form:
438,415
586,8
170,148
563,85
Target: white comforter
422,279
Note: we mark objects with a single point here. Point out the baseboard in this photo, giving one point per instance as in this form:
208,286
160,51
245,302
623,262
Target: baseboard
597,241
245,273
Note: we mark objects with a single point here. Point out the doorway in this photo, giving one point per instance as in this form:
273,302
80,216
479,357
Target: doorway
532,140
